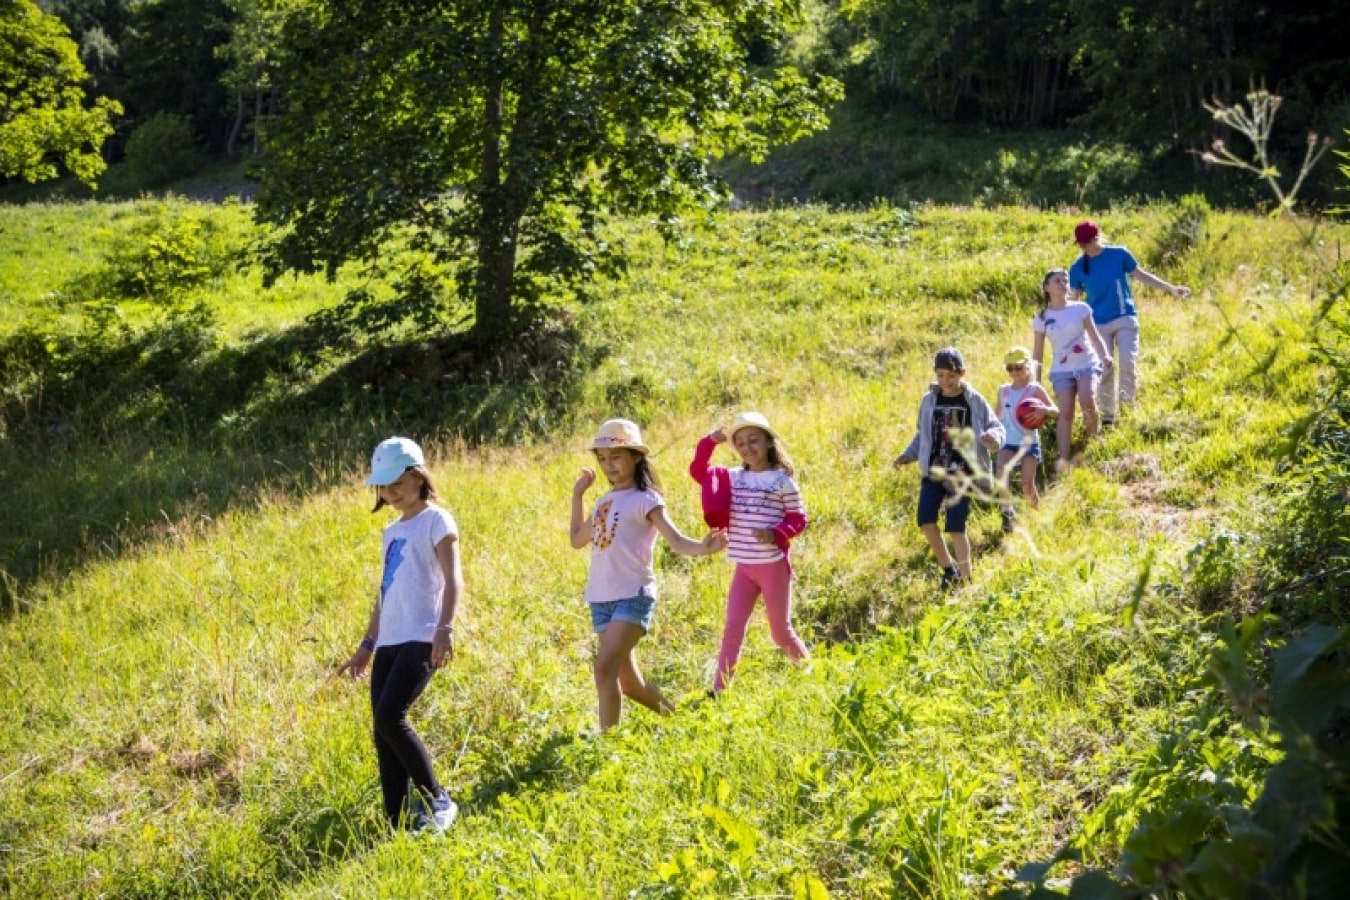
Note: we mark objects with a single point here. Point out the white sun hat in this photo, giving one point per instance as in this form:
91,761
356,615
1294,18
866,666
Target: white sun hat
751,420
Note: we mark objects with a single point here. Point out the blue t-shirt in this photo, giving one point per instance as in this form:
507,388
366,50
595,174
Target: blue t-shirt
1106,280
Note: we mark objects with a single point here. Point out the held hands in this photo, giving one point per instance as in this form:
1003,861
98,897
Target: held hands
1107,362
715,541
1180,290
766,536
900,461
584,482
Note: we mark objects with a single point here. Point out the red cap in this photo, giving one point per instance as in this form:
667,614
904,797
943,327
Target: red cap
1085,232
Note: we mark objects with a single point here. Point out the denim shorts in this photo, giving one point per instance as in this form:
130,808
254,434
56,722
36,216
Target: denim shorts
637,610
934,496
1033,451
1063,381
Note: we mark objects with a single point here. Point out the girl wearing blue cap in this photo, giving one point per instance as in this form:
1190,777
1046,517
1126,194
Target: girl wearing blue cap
411,631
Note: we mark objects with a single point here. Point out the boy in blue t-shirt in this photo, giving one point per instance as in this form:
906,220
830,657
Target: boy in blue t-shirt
1104,271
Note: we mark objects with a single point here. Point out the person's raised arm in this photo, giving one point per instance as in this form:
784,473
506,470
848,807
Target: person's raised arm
715,541
581,529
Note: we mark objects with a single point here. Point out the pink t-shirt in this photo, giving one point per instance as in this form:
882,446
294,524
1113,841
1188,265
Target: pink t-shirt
622,541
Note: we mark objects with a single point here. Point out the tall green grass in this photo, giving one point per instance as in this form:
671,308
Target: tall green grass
174,730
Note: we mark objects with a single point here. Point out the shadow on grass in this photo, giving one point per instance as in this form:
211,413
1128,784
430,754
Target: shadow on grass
116,437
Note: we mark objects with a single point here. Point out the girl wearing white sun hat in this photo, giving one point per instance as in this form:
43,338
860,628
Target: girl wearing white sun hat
760,505
621,587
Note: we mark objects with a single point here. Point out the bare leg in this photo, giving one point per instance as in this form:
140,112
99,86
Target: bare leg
1064,427
939,545
616,649
1091,422
1033,496
647,693
961,548
1005,456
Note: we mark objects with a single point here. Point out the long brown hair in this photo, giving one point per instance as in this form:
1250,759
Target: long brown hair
428,491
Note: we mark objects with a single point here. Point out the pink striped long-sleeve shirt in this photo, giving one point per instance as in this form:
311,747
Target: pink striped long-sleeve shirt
769,499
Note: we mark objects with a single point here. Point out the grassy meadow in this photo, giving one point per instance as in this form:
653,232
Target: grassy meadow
183,588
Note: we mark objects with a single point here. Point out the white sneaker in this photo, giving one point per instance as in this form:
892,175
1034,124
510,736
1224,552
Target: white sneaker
435,820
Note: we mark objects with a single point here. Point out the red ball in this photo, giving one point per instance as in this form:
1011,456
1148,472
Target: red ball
1031,413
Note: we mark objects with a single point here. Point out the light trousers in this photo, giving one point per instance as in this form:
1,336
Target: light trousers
1121,337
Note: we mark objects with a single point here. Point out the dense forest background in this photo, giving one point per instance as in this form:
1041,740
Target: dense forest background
197,79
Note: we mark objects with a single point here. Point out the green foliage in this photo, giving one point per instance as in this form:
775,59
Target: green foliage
502,135
44,124
1184,231
164,257
160,151
166,556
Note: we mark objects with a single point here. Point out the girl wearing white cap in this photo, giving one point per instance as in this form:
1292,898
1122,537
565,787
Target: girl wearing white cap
621,588
411,631
761,506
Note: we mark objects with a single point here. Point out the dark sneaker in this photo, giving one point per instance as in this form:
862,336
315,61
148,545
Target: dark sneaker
951,578
1108,423
1009,519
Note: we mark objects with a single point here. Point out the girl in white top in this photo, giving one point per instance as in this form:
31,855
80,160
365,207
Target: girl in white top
621,589
1021,447
411,631
1078,357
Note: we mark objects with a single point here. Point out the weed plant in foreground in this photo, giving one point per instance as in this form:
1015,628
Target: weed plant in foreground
174,688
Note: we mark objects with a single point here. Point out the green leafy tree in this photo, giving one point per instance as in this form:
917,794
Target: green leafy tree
497,135
43,121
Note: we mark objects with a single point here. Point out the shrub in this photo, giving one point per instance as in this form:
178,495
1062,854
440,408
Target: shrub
161,151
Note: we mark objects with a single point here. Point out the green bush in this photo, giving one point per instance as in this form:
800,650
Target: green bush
161,151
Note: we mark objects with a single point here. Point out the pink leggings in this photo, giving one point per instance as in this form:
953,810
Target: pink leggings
774,581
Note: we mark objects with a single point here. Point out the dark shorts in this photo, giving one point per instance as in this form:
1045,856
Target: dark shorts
933,497
1033,451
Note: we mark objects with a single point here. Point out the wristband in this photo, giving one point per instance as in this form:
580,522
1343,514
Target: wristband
367,644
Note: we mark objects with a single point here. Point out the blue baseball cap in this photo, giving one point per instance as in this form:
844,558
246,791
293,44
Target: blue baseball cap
392,458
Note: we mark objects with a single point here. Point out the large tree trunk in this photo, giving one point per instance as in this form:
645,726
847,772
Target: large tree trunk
496,263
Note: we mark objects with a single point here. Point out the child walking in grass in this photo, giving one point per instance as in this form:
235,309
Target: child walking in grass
1021,448
621,588
1077,358
761,506
956,429
411,631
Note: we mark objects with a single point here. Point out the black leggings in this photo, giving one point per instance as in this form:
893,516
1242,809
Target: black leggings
397,678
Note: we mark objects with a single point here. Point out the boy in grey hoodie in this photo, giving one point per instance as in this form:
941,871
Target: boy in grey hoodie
950,415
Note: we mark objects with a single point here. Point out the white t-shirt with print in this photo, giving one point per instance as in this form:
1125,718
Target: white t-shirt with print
1066,330
413,584
622,542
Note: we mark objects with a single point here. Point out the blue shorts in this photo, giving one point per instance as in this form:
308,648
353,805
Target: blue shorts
1063,381
637,610
934,496
1033,451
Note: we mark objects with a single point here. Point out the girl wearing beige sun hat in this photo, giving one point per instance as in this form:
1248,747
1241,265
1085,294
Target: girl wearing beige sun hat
621,587
760,504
